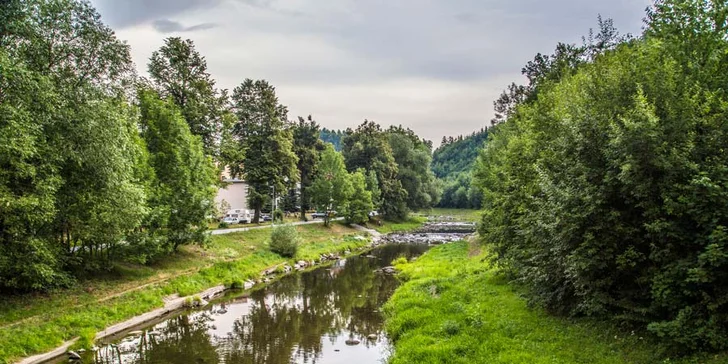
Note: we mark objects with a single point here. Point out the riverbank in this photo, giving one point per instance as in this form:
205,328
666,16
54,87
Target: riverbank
455,308
38,323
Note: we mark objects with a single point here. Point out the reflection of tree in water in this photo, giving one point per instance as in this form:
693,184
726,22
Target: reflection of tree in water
182,339
291,317
289,320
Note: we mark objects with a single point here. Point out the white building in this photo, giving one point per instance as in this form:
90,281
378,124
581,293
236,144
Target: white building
234,195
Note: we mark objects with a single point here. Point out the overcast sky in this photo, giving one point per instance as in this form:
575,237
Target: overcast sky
432,65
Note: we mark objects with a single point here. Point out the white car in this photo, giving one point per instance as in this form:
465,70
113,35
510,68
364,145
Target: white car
236,219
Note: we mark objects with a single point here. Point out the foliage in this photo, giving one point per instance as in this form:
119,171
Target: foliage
455,307
413,157
605,195
332,187
184,177
332,136
368,147
457,155
307,146
360,201
179,72
266,142
284,241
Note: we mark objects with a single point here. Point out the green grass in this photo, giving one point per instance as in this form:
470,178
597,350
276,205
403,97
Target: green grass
399,226
457,214
455,308
38,323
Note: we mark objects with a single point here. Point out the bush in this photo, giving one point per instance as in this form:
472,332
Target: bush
223,225
278,215
284,241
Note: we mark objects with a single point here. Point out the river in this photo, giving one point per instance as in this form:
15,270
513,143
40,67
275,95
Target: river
327,315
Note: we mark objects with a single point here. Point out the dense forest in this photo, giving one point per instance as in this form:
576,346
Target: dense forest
332,136
605,178
99,165
452,163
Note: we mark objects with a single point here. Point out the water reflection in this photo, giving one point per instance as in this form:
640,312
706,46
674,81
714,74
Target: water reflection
329,315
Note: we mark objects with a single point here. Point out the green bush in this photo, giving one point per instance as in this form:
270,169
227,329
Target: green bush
223,225
284,241
278,216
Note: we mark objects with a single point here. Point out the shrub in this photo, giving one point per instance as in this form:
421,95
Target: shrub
278,215
223,225
284,241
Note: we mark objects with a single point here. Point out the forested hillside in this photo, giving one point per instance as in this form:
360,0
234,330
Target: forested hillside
457,155
606,179
332,136
452,163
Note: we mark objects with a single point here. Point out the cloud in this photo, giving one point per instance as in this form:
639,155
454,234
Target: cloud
126,13
166,26
432,65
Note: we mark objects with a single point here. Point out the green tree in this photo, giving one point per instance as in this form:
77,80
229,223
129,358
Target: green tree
28,181
413,157
368,147
179,71
332,187
307,146
360,201
373,187
184,177
266,142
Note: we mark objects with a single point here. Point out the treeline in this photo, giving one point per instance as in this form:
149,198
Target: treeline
332,136
606,178
98,165
452,163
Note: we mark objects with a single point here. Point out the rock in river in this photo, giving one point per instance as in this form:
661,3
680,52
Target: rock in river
352,342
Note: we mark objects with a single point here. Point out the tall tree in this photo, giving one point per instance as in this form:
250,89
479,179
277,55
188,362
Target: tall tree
184,177
413,157
360,201
179,71
266,142
307,146
367,147
332,187
29,180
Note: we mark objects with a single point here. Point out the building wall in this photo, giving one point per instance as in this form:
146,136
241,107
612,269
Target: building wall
235,194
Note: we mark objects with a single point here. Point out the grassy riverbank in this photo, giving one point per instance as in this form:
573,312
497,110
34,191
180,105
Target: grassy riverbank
33,324
455,308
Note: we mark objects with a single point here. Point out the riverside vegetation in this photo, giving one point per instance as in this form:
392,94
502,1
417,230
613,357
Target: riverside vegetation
33,324
457,306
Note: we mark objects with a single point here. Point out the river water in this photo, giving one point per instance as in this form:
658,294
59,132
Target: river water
324,316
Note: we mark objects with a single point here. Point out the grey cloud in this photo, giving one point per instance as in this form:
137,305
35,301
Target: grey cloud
165,26
126,13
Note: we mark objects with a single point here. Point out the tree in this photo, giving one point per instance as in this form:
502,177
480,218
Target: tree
605,194
367,147
413,157
28,181
184,178
265,140
332,187
307,146
373,187
360,201
67,41
179,71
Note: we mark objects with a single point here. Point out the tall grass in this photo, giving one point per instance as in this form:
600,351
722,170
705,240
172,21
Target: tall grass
457,309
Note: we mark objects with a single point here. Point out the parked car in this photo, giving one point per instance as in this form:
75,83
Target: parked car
236,219
266,217
373,214
321,215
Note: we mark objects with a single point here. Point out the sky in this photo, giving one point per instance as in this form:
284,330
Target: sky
435,66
